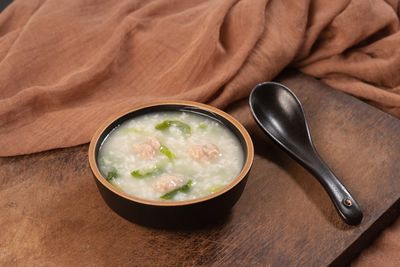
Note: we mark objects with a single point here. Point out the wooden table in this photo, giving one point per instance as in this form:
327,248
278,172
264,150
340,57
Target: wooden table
51,212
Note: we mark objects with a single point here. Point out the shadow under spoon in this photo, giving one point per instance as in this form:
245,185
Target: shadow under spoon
280,115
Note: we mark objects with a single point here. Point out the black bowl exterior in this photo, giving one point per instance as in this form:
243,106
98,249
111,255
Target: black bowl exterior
190,215
194,213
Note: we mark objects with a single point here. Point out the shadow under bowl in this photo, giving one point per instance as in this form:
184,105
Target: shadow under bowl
173,214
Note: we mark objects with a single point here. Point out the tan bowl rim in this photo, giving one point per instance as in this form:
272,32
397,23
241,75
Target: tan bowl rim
245,169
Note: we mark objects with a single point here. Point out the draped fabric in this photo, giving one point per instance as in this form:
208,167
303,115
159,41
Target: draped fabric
66,66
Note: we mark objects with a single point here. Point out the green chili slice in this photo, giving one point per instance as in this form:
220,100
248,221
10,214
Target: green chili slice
111,175
145,173
203,126
167,152
185,128
184,189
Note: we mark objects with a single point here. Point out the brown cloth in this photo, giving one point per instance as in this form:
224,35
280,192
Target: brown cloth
66,66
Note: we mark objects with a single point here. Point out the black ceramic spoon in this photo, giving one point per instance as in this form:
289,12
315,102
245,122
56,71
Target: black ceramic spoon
280,115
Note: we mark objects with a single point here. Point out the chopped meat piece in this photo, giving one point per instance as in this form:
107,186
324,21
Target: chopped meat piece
204,153
153,142
168,182
148,149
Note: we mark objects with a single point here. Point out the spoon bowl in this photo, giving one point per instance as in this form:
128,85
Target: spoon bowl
280,115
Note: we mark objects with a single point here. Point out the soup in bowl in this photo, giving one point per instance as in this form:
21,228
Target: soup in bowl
172,163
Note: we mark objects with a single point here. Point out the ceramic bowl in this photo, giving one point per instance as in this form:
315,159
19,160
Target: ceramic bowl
181,213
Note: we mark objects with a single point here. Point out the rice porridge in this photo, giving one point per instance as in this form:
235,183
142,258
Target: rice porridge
170,156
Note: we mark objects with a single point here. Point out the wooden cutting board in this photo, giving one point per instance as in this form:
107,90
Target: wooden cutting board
51,212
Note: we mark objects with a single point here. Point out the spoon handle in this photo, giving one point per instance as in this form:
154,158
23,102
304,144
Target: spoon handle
345,203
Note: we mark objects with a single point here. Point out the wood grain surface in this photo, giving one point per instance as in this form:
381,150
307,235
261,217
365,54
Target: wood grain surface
52,214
